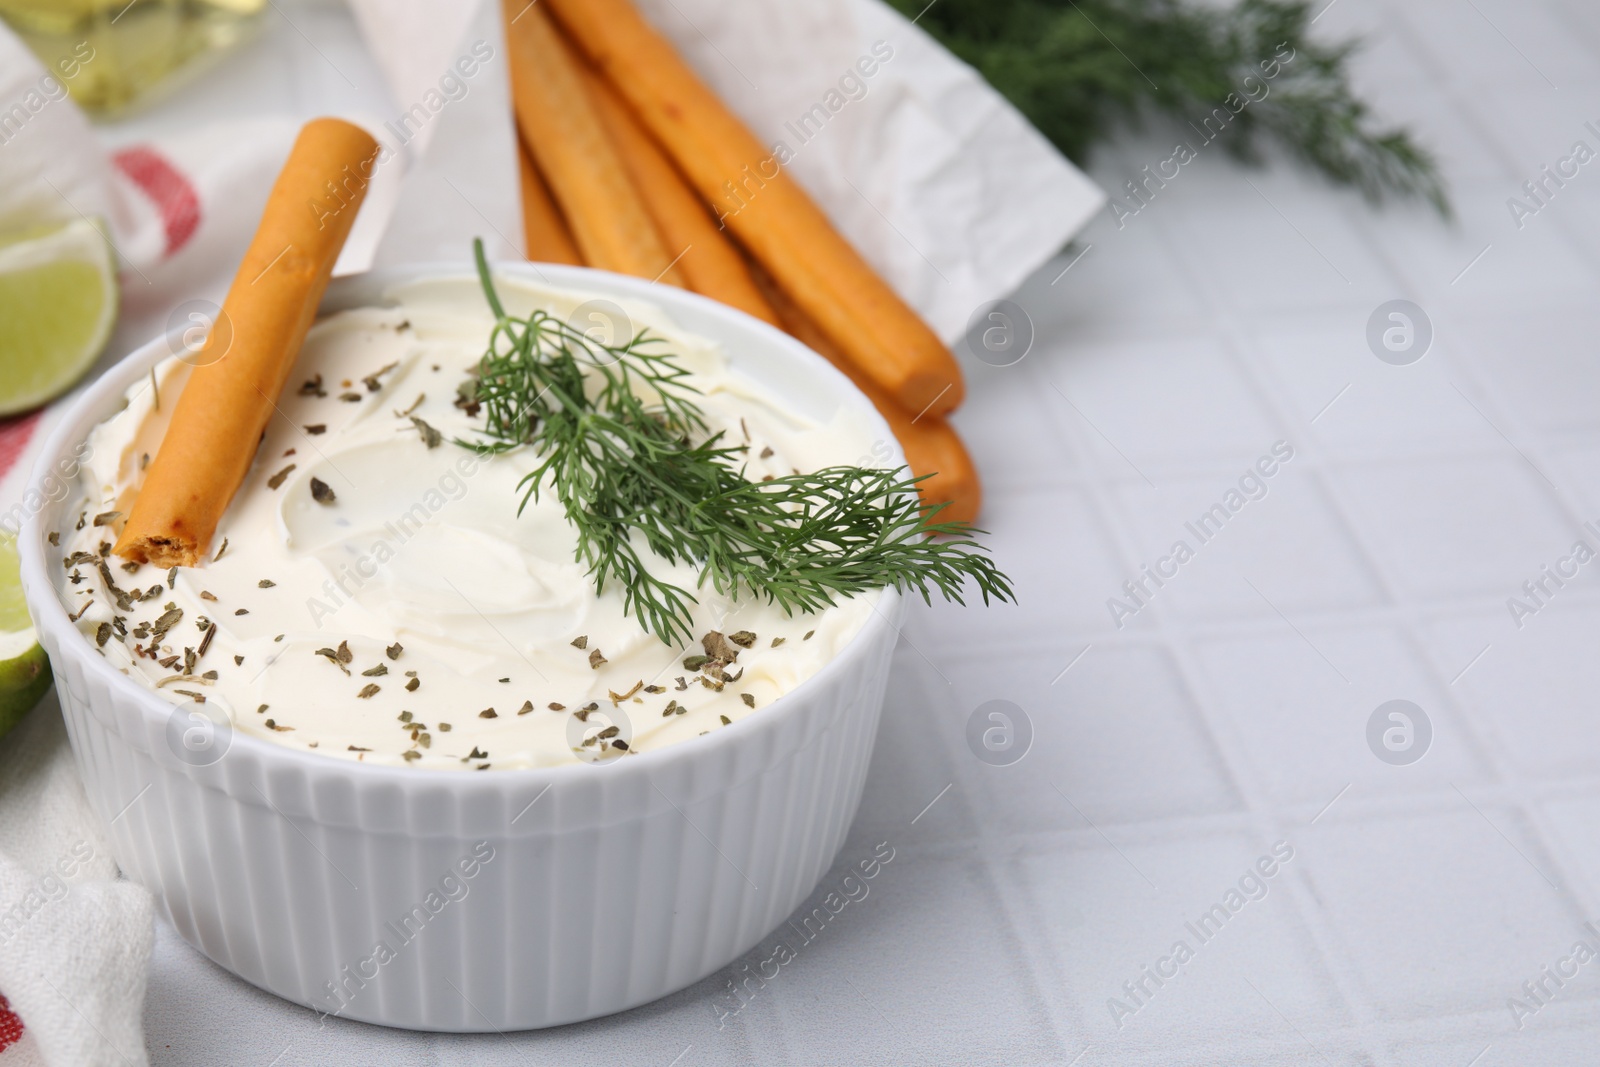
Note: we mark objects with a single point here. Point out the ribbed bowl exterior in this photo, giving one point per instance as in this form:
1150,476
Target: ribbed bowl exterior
606,886
501,900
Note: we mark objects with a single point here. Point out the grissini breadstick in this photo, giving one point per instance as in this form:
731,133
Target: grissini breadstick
543,229
609,222
929,442
710,263
230,396
766,209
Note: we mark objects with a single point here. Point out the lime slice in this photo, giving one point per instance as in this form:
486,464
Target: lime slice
24,669
58,302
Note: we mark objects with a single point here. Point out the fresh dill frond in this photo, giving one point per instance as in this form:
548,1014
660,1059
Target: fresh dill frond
1081,69
629,455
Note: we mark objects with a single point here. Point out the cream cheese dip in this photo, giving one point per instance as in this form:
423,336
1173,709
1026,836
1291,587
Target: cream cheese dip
374,594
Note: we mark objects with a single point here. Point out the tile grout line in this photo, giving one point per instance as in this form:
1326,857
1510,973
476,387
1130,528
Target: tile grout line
1242,779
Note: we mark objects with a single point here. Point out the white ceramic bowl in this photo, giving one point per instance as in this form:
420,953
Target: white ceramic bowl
591,888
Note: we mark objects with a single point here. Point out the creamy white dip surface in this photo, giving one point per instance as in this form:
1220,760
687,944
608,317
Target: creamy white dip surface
406,614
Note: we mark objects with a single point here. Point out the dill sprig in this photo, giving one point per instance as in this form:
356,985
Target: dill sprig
1080,69
629,455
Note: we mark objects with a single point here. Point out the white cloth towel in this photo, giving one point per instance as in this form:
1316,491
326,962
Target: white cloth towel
74,938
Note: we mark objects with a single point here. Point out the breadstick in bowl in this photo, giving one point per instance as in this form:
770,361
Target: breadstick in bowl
231,395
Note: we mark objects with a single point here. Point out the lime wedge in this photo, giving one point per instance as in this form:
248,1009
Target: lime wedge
58,302
24,669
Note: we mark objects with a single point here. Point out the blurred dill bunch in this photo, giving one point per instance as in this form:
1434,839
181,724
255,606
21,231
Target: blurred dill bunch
1082,69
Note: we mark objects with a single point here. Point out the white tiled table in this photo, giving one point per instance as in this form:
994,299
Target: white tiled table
1231,713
